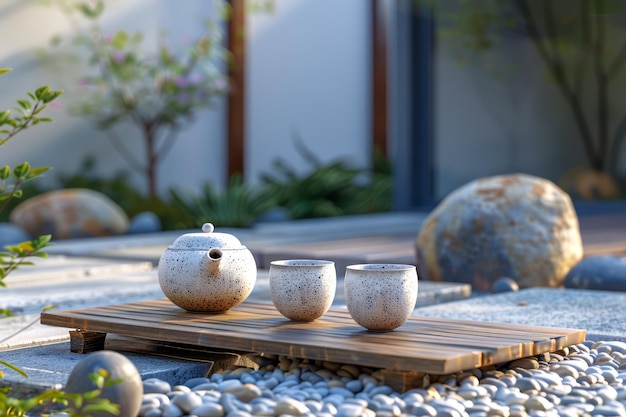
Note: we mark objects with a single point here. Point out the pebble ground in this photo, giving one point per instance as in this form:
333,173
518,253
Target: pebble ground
582,380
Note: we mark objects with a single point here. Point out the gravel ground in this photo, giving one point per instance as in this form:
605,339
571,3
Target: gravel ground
582,380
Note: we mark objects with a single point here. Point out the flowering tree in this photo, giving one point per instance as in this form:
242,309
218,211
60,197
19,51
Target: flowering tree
157,93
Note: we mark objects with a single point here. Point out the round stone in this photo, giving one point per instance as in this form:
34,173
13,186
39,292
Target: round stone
187,401
144,222
504,284
603,272
157,386
127,393
70,214
11,234
208,409
290,407
516,226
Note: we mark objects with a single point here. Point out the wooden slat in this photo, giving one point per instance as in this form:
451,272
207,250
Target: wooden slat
427,345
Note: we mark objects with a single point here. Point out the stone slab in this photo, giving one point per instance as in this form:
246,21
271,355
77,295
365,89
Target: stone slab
64,267
48,367
260,238
601,313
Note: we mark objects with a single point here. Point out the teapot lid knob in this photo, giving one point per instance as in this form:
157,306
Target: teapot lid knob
208,228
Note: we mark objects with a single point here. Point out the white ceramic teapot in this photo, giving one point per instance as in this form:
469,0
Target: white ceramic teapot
207,271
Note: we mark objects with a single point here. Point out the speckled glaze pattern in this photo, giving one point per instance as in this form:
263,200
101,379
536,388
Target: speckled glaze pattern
302,289
380,297
207,272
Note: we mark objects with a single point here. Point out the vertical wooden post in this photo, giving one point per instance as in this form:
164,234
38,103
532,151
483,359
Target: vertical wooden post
237,98
379,78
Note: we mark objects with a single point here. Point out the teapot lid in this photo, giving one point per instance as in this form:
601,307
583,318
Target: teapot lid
206,240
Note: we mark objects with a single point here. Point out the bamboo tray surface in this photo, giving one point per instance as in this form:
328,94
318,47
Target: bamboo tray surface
422,344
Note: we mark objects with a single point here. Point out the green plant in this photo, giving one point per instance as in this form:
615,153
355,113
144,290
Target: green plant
332,189
157,93
75,405
11,180
237,206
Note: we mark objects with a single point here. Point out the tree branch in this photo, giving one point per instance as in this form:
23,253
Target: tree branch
602,96
617,63
556,69
579,69
124,151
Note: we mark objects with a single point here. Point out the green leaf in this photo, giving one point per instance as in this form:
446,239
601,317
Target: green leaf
104,406
41,92
52,95
4,116
41,241
15,368
21,170
5,172
25,104
4,70
120,39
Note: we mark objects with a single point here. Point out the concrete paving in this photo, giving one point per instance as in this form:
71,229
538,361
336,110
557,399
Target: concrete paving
601,313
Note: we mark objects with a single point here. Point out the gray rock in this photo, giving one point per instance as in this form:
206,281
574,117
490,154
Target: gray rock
290,407
517,226
187,401
603,272
70,214
144,222
127,394
11,234
209,409
156,386
504,284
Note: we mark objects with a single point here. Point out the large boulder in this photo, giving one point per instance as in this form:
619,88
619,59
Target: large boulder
70,214
516,226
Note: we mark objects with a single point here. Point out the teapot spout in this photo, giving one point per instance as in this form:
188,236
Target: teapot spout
215,256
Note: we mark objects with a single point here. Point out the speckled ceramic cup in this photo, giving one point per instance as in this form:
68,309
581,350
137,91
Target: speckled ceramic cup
302,289
380,297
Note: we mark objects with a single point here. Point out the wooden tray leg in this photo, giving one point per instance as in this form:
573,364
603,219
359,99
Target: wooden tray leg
85,342
401,381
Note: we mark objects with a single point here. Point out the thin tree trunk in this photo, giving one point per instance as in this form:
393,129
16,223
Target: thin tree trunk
151,163
602,85
554,63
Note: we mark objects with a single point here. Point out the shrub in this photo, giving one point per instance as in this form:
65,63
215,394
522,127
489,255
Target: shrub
331,189
237,206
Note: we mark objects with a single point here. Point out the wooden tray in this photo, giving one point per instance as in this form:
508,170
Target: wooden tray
426,345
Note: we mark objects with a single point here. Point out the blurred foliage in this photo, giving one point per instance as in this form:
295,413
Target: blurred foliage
159,92
118,189
580,42
329,189
12,179
237,206
72,404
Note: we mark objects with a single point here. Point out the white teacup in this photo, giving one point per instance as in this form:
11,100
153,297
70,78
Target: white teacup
380,297
302,289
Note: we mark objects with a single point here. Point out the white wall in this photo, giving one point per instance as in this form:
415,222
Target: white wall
308,73
308,77
490,124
